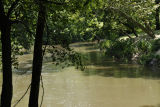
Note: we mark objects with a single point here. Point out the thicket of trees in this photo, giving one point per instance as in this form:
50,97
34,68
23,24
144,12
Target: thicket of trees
50,22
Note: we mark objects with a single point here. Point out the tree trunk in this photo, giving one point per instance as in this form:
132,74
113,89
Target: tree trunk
37,58
146,28
6,96
157,16
5,27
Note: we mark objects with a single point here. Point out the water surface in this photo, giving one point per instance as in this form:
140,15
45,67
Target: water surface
104,83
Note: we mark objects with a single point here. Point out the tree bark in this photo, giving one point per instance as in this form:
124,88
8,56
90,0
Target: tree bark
157,16
7,88
37,58
6,96
146,28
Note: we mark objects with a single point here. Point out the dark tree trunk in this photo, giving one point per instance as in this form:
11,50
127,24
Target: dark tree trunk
6,96
37,58
157,16
5,27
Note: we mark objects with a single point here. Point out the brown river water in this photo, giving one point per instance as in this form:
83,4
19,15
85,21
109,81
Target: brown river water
104,83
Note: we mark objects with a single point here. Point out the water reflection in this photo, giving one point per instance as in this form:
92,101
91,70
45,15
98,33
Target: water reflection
99,64
100,85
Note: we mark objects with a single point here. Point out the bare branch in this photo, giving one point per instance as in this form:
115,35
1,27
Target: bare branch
22,96
43,91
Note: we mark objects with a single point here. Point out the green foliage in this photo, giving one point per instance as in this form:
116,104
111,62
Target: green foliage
67,57
121,49
86,20
16,50
76,59
156,45
22,36
148,54
146,59
132,49
144,46
105,44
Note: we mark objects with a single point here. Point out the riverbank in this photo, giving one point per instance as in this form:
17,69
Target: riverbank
141,50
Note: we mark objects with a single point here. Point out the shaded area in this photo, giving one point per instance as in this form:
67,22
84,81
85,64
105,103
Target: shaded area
98,64
84,44
150,105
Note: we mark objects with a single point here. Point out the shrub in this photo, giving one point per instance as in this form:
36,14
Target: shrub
105,44
126,50
156,45
121,49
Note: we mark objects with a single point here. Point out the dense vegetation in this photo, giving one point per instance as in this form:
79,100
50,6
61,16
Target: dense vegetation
125,29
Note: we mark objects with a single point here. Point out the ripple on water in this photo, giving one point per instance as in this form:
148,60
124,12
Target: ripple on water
104,84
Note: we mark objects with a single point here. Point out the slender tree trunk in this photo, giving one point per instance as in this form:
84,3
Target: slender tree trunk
157,16
37,58
5,27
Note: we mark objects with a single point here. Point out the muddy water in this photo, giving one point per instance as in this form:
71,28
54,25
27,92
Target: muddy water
104,83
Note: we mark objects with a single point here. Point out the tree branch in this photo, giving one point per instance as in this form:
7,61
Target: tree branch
130,27
22,96
43,91
131,20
